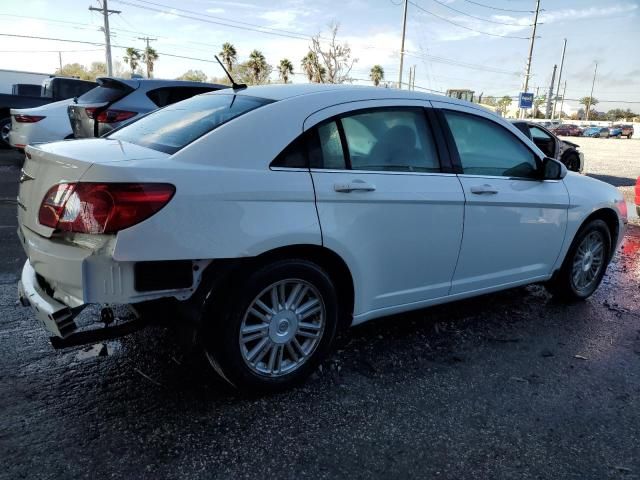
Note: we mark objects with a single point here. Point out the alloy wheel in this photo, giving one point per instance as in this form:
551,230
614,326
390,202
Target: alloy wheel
588,261
282,327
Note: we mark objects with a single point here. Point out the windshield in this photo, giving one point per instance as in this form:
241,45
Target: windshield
172,128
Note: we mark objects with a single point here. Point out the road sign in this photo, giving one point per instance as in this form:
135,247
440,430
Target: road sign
526,100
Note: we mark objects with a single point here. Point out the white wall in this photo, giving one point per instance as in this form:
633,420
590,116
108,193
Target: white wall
10,77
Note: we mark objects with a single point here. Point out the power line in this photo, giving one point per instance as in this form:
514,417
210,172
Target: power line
462,26
241,25
496,8
479,18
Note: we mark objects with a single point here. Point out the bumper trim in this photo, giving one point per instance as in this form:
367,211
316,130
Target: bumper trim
56,317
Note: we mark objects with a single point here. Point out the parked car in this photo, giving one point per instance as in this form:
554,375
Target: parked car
53,89
117,101
596,132
625,130
270,217
567,130
563,150
47,123
615,132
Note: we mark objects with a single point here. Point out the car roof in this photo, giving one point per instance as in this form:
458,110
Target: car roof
278,92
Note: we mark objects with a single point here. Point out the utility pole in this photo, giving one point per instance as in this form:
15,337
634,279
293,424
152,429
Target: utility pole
60,59
404,31
564,91
533,39
147,40
413,83
555,100
547,113
107,35
410,73
591,95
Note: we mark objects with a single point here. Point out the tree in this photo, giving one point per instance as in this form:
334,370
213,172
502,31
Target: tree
149,58
97,69
503,104
588,102
309,64
194,76
228,55
333,62
376,75
285,69
537,102
257,64
73,70
132,58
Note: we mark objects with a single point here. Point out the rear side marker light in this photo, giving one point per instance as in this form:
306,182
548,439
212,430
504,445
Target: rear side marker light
102,207
109,116
28,118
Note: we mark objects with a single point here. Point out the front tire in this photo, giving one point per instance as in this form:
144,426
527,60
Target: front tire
572,161
5,128
585,264
275,327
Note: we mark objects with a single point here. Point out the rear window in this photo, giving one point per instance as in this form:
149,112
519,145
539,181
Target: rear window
168,95
173,127
105,94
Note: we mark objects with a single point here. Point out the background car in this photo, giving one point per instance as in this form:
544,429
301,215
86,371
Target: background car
346,204
637,196
47,123
626,130
615,132
117,101
567,130
552,146
596,132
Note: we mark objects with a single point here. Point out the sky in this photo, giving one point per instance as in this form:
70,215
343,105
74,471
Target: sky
481,45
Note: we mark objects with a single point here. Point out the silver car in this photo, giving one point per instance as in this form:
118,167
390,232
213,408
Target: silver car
116,101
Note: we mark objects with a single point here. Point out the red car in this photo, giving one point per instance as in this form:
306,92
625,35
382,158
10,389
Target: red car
637,199
568,130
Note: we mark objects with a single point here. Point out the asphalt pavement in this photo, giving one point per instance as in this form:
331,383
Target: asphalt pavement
509,385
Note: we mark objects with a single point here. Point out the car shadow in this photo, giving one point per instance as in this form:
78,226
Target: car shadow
613,180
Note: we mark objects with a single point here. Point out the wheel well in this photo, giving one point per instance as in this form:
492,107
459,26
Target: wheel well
331,262
4,113
608,216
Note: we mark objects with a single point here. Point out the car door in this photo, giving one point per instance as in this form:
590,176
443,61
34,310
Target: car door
514,223
387,202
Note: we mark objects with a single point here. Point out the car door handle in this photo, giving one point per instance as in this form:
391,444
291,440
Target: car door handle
353,186
485,189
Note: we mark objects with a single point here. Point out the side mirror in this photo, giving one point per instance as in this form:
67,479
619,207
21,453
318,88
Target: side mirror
552,169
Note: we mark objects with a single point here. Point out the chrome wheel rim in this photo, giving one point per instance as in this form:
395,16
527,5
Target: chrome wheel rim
282,327
588,261
4,132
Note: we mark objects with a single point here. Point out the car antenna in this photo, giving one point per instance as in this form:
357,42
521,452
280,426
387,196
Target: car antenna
234,85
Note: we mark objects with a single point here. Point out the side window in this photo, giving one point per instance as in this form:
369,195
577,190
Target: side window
390,140
294,156
539,134
486,148
329,153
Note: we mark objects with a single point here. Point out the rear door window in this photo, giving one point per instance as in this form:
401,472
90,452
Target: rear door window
172,128
106,93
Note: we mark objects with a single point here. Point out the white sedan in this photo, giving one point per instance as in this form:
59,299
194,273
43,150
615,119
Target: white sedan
268,218
47,123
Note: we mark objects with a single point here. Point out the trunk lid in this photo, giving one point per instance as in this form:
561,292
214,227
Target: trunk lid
108,91
64,162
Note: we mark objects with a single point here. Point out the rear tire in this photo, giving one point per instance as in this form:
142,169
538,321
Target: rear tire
585,264
274,328
572,161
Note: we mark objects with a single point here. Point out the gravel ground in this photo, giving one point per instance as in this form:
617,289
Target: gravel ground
510,385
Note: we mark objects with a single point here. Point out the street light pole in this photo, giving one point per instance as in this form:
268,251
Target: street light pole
555,100
591,94
404,31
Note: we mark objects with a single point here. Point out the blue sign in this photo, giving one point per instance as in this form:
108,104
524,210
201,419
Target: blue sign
526,100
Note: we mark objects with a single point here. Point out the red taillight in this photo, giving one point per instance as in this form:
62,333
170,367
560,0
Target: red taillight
638,192
109,116
20,118
102,207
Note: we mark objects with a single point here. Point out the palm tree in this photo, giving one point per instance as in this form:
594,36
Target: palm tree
228,55
376,75
132,59
257,64
149,56
319,76
309,65
285,69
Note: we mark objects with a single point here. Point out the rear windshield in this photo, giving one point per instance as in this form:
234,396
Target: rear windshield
105,94
172,128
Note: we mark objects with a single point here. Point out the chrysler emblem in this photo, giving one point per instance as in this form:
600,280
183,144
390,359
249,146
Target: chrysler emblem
25,177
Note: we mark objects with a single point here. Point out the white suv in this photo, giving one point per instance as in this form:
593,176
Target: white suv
271,217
